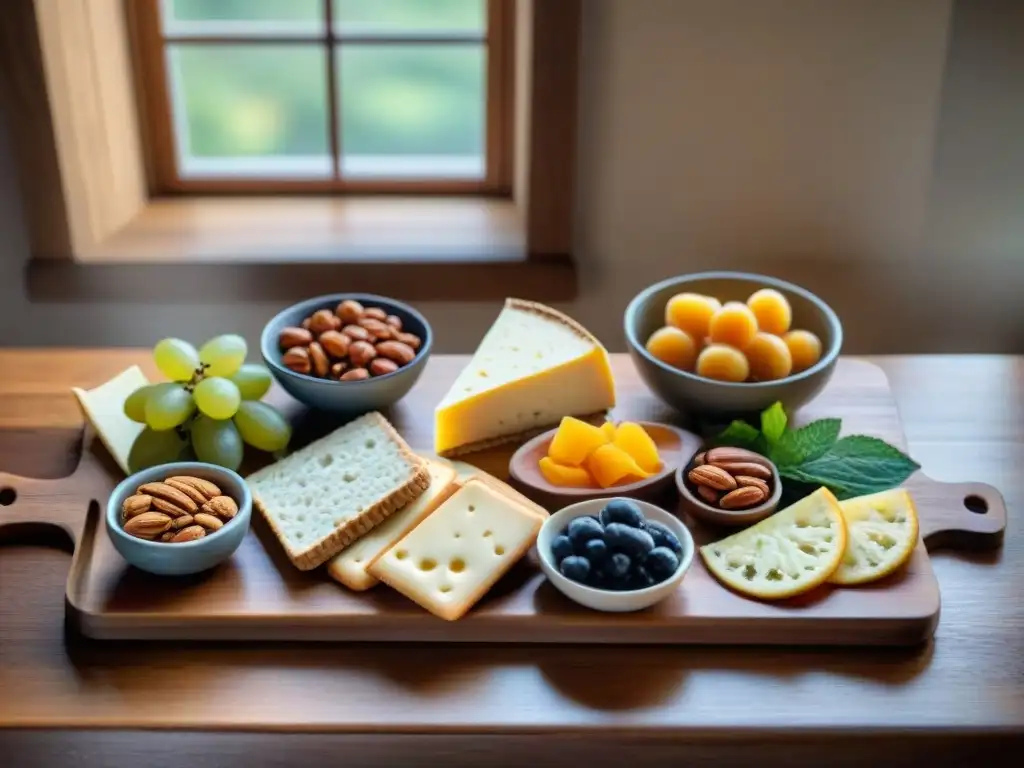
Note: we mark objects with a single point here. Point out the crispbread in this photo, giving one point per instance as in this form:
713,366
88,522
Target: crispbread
467,471
349,567
324,496
451,559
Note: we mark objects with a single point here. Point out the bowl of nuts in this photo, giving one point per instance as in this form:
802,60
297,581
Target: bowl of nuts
347,352
729,486
179,519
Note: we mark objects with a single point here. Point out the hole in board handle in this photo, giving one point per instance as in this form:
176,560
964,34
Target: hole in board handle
7,496
976,504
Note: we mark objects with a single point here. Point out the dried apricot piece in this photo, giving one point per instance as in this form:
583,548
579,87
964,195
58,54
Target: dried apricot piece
610,465
634,440
609,430
734,324
674,347
562,475
805,349
723,363
771,309
574,441
691,312
769,357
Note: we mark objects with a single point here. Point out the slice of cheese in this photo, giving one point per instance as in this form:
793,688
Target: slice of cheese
103,407
534,366
467,471
451,559
350,566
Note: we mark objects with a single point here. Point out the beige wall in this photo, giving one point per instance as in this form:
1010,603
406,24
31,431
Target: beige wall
870,149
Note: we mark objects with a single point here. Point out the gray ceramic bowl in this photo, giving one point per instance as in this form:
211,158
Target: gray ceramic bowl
190,557
349,397
693,505
693,394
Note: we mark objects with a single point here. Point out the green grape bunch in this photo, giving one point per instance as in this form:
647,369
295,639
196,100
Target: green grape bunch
210,402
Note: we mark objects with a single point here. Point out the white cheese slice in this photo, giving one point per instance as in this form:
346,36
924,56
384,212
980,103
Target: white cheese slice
103,407
451,559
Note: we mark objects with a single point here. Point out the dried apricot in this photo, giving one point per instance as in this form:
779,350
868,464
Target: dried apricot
734,324
610,465
722,362
805,349
769,357
609,430
574,441
673,347
771,309
691,312
634,440
560,474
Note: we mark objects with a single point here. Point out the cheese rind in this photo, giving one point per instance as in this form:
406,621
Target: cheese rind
350,566
534,366
103,407
451,559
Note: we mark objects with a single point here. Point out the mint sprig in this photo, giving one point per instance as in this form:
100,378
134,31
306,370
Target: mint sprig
814,455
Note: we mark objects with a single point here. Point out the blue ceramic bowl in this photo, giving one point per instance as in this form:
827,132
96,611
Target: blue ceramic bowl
190,557
349,397
693,394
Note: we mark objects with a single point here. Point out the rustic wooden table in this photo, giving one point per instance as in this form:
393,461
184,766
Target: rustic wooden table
962,696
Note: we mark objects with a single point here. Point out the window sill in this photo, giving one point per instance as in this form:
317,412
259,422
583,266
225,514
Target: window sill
273,248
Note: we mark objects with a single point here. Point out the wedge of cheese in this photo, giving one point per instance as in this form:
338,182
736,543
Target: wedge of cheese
534,366
103,406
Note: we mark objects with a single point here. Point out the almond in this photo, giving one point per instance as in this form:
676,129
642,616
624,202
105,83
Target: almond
376,313
136,505
748,496
698,460
337,369
381,366
148,525
356,374
297,359
182,522
726,454
394,321
223,507
745,481
713,477
335,343
361,353
379,330
710,495
401,353
209,522
744,468
410,339
294,337
318,361
189,490
191,533
324,320
356,332
305,324
167,535
205,487
349,311
169,493
169,508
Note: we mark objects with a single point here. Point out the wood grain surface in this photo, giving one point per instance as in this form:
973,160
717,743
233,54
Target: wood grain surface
259,595
964,421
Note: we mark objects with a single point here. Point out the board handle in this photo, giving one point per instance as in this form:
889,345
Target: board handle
28,504
958,515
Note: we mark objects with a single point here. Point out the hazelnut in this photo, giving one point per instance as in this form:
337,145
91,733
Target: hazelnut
349,311
380,366
335,343
318,360
297,359
294,337
323,320
356,374
361,353
376,313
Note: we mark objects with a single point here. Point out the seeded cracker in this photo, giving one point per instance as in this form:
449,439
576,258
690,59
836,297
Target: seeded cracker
323,497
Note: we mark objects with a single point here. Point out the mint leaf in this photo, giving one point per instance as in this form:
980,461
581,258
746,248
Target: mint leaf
739,434
854,466
808,443
773,423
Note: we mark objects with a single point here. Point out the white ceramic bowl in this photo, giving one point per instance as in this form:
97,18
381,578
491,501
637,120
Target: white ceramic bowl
608,600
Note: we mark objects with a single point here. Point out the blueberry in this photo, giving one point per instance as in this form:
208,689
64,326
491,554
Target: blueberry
622,511
631,541
561,548
640,578
663,537
582,530
575,567
618,567
596,551
661,562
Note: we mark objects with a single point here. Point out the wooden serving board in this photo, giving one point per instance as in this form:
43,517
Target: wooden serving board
258,595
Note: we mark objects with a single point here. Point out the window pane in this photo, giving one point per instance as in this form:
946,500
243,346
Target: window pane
411,111
250,110
410,16
226,17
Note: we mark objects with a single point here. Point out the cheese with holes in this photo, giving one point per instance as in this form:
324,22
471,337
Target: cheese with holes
350,566
534,366
451,559
467,472
103,407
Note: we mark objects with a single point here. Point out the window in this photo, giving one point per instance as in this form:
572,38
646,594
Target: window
327,95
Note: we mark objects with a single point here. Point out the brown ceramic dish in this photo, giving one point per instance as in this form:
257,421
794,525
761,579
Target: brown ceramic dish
731,518
675,446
